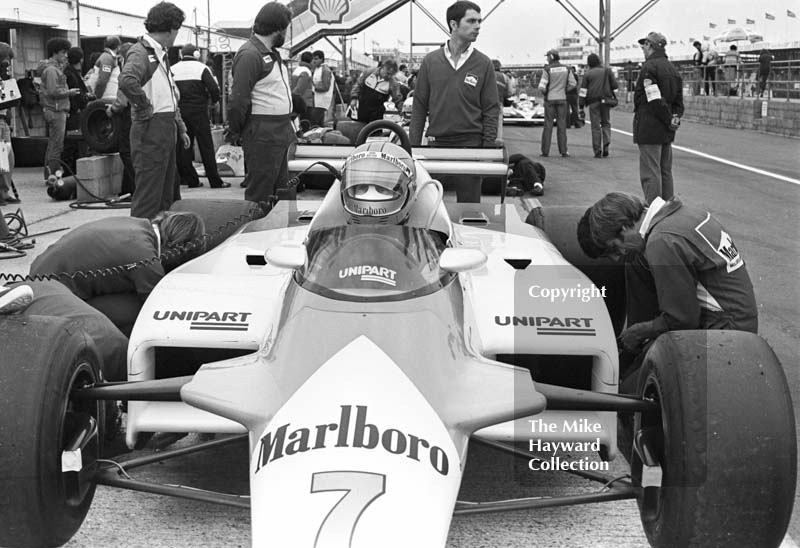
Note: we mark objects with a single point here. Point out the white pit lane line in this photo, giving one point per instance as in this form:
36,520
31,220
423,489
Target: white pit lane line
726,162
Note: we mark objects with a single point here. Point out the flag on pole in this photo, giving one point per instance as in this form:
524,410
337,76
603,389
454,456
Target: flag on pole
731,21
769,16
712,25
750,22
791,14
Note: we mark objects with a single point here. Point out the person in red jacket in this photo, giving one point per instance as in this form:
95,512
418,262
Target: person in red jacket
682,268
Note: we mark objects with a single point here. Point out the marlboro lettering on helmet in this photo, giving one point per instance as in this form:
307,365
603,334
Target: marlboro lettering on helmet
352,432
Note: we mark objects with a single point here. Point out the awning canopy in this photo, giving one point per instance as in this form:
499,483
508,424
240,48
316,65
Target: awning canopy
315,19
17,24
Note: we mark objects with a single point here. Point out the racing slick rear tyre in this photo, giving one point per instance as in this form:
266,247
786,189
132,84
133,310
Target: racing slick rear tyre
724,438
561,224
44,359
221,217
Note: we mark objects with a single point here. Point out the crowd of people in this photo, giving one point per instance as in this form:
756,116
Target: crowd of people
718,73
145,96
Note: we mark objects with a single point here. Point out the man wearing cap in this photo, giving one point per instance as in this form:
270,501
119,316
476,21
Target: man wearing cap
657,111
197,86
556,80
261,103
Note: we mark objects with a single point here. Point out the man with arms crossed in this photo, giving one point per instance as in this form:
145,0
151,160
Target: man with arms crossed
457,91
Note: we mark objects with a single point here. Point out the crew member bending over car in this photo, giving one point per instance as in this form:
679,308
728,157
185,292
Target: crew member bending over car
682,268
125,258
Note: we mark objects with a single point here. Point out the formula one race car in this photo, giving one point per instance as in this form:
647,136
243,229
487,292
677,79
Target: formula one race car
361,345
523,111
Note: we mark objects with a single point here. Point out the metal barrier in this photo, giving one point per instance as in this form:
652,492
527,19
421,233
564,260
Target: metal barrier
736,81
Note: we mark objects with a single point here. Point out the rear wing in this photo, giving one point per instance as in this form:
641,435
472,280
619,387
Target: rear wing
486,162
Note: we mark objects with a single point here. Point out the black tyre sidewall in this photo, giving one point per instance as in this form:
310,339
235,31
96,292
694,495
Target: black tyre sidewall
222,218
89,117
730,457
33,507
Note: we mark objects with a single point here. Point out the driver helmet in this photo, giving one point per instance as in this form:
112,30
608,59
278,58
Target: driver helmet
378,184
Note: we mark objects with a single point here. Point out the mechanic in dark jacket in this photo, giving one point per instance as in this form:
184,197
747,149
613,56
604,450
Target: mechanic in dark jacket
657,110
72,71
125,256
156,125
683,270
597,84
261,104
197,87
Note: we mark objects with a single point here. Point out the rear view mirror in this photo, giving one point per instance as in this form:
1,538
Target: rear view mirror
461,260
290,256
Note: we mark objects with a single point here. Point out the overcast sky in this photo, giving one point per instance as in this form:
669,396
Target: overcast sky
523,30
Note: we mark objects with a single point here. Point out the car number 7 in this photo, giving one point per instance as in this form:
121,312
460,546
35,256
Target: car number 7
361,489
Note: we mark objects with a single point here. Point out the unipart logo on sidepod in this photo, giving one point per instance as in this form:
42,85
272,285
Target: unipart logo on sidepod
350,432
207,321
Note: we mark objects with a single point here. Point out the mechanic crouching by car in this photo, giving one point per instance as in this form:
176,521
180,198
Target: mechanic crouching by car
682,268
114,263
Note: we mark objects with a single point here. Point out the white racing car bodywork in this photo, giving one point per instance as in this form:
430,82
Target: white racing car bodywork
523,111
360,408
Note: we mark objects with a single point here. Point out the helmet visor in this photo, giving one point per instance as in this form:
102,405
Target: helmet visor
375,184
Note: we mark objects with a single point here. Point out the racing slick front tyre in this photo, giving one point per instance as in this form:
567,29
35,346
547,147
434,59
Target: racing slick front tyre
49,442
724,438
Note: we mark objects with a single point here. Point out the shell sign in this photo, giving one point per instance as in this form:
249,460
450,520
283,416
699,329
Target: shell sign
315,19
329,11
